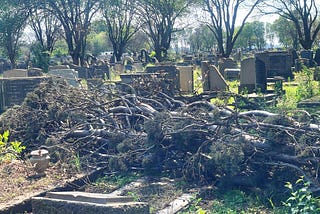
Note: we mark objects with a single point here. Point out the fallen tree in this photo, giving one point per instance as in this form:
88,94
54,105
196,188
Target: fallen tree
123,128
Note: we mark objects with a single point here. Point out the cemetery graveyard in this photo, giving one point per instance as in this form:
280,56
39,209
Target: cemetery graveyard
152,122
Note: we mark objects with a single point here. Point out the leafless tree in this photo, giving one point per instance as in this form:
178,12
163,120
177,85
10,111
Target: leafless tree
75,17
122,24
224,15
304,15
160,17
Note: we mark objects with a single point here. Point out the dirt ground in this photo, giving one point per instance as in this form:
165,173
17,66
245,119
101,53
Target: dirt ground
19,181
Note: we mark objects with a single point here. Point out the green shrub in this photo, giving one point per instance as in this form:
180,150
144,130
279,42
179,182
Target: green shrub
301,199
9,150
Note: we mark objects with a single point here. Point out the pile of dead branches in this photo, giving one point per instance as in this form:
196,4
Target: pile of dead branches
115,126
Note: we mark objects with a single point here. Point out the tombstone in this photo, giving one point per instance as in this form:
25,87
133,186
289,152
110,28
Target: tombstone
58,67
261,72
14,90
34,72
225,64
308,55
70,75
170,75
185,74
82,71
247,75
102,72
213,80
127,62
15,73
232,73
317,57
188,59
294,55
277,63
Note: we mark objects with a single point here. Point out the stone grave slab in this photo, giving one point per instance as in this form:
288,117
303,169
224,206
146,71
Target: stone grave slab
212,78
15,73
14,90
227,63
34,72
86,203
232,73
185,79
247,75
70,75
58,67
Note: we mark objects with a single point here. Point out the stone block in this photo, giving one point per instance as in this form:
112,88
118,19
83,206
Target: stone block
212,78
70,75
185,79
86,203
15,73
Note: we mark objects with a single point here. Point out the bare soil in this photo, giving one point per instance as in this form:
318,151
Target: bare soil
19,181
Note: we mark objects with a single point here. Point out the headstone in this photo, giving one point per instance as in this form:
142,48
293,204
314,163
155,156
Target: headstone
185,79
34,72
317,57
70,75
294,55
247,75
58,67
14,90
15,73
213,79
261,72
232,73
307,54
226,64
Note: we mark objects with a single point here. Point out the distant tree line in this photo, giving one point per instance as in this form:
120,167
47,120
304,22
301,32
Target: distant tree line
131,25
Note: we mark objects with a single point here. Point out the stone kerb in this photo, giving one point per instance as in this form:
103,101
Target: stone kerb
70,75
87,203
15,73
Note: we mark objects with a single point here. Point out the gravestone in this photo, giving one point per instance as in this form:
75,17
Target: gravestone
294,55
232,73
247,75
212,78
15,73
277,63
185,74
171,76
261,72
14,90
317,57
226,63
70,75
307,55
34,72
58,67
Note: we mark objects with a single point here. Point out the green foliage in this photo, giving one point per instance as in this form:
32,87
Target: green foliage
9,150
305,88
195,207
40,57
98,43
286,32
252,36
60,49
301,200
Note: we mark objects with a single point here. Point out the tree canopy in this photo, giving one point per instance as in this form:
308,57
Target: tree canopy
303,14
